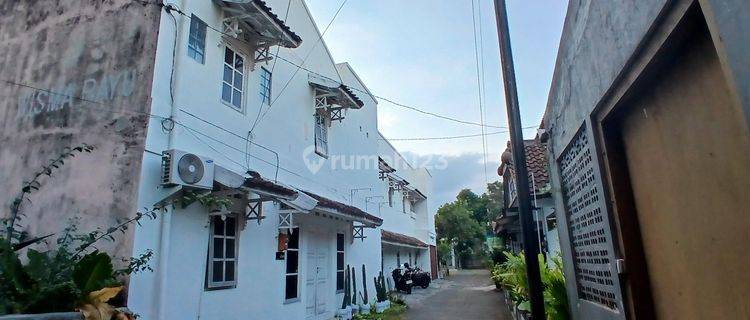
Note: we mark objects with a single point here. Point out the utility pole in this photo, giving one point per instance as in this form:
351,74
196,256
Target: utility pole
530,244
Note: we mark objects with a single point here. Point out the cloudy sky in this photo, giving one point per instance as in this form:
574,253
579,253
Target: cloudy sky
421,53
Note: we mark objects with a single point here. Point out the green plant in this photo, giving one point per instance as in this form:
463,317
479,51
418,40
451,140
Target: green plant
396,299
512,276
365,298
347,295
395,312
69,276
382,294
33,185
354,286
555,294
207,200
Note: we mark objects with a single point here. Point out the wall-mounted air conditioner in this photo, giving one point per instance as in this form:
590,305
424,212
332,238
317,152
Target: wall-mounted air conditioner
187,169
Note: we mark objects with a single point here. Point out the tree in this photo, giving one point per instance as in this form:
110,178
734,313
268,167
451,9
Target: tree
456,224
494,198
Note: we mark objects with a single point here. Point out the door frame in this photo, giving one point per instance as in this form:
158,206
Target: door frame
320,239
669,29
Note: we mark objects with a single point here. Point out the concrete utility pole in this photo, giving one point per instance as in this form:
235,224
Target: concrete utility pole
530,244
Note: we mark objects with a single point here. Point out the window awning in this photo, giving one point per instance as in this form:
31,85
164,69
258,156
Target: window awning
256,16
300,201
344,211
398,239
334,93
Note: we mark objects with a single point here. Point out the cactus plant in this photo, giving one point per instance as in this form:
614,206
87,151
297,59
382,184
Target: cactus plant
347,296
354,286
365,299
380,287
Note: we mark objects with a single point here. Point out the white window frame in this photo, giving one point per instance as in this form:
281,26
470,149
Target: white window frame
297,274
265,86
390,197
343,253
321,134
210,283
197,40
232,85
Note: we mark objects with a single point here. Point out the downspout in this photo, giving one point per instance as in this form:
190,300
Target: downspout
166,221
536,213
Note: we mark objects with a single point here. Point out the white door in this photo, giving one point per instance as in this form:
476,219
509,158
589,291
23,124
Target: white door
316,278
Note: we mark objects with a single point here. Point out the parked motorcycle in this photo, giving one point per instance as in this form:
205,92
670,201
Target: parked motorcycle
421,278
402,279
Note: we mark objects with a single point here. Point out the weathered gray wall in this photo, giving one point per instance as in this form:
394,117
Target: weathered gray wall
598,39
92,62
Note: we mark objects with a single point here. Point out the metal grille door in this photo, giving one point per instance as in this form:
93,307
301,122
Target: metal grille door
597,282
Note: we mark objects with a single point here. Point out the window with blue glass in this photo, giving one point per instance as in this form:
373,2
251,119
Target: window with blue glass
197,39
265,86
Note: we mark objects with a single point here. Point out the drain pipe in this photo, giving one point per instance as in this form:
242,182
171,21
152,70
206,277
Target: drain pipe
166,221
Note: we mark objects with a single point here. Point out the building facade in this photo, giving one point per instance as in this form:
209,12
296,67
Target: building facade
261,152
648,120
508,225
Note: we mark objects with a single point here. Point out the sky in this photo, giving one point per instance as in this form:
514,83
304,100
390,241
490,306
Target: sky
421,53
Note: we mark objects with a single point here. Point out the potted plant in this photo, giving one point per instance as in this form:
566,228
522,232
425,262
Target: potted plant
353,277
382,298
364,307
346,311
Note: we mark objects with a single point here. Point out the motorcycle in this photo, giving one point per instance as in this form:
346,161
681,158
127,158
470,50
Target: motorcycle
402,280
421,278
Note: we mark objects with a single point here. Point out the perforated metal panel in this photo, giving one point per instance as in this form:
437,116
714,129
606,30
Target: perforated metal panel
588,225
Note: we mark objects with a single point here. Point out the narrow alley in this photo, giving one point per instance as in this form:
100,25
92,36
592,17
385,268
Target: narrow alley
466,294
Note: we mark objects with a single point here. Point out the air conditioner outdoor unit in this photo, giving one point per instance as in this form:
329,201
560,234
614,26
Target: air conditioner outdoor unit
187,169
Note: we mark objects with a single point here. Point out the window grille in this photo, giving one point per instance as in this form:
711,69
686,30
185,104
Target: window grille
321,134
222,253
340,269
233,81
588,224
265,86
197,39
292,265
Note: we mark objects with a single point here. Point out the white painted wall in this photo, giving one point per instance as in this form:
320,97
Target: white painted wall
176,289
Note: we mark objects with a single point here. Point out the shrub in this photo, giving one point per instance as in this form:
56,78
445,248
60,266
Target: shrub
511,275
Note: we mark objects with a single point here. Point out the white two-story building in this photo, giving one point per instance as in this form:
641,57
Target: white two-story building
251,114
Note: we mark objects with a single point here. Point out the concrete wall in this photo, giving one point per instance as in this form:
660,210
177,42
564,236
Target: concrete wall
599,38
85,69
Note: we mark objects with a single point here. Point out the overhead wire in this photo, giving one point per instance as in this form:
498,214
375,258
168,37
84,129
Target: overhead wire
113,109
307,56
480,91
452,137
257,116
379,97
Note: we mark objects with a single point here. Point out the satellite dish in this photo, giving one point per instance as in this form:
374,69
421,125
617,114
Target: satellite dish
190,168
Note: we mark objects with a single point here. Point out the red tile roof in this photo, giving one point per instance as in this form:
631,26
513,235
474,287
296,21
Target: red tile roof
536,164
400,238
344,208
255,181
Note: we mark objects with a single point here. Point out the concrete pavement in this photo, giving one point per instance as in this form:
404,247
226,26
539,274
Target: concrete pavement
466,294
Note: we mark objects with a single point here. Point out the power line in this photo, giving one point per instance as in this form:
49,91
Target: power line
480,91
391,101
111,109
453,137
320,39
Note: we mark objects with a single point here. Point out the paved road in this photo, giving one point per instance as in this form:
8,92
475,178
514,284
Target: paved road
468,295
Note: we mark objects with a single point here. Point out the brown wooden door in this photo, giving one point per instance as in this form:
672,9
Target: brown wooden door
687,154
433,262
